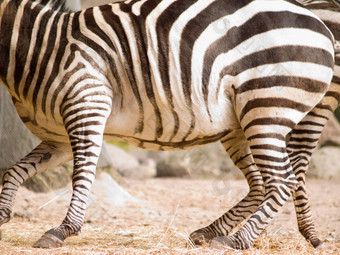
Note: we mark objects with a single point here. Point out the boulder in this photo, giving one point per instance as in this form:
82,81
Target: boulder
331,133
129,165
107,189
106,193
56,178
209,160
168,169
325,163
74,5
15,139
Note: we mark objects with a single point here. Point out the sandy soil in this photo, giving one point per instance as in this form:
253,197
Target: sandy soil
159,220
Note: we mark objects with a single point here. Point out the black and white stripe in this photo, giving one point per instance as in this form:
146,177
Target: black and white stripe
329,12
168,75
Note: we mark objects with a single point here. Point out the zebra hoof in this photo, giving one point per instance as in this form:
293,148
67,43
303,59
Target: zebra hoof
199,237
5,215
5,220
48,240
318,244
222,243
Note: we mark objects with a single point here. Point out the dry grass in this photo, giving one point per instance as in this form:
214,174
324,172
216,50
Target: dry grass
20,234
161,223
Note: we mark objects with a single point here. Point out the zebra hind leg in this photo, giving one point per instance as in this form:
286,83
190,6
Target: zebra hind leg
269,153
44,156
85,130
239,151
301,144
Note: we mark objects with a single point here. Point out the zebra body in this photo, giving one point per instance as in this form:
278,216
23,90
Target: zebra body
166,75
207,123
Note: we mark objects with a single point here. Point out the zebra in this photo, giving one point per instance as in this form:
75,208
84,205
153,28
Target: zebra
167,75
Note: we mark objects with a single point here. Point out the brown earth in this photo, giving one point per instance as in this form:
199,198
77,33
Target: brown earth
166,211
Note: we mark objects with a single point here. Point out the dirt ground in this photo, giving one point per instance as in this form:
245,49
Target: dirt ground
161,217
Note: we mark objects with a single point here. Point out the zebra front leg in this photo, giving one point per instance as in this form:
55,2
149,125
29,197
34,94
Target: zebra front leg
279,182
44,156
239,151
82,179
85,129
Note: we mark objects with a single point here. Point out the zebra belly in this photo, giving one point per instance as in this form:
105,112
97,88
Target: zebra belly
197,140
189,134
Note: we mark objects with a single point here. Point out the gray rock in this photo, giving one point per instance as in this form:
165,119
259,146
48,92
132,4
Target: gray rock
165,169
108,190
74,5
56,178
146,169
325,163
209,160
106,193
129,165
105,159
331,133
15,139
